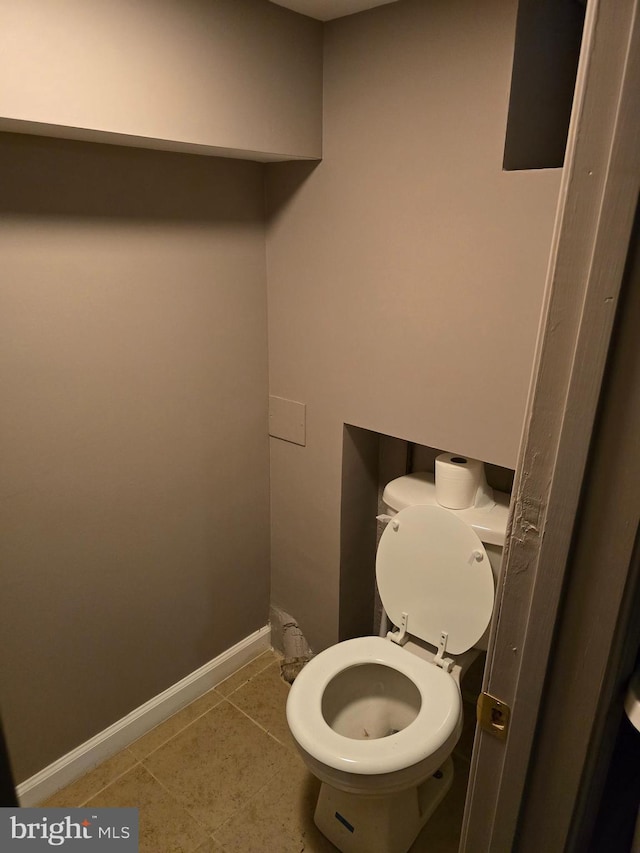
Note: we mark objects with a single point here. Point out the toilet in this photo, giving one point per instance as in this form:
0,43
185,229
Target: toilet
376,718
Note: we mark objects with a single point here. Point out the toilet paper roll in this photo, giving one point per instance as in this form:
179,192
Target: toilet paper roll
458,479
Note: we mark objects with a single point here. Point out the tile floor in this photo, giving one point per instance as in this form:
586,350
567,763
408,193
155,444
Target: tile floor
222,776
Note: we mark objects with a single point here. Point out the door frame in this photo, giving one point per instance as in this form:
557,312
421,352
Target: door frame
597,202
598,635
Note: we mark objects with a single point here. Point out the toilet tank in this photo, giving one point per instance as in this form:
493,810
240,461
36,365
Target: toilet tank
488,522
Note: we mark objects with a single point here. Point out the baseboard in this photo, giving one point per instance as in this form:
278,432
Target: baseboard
110,741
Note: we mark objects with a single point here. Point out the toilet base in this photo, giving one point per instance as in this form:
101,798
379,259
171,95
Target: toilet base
363,824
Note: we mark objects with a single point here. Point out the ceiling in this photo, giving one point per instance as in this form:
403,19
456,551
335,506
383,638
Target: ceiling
325,10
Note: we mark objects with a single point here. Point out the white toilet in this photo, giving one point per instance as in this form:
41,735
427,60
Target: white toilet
376,718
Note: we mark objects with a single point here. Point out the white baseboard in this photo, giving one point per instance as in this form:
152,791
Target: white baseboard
141,720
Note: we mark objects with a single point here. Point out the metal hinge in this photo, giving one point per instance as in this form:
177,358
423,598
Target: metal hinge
493,715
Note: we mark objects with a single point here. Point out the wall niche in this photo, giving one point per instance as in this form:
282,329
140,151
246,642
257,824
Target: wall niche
545,64
369,461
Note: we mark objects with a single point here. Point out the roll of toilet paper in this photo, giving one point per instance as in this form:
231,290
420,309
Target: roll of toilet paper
458,479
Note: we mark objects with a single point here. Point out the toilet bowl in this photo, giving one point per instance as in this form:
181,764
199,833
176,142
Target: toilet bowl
376,718
372,718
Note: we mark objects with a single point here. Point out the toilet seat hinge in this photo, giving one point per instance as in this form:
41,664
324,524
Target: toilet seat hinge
401,636
385,519
440,659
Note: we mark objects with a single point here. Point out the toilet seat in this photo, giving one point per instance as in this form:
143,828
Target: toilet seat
436,723
434,577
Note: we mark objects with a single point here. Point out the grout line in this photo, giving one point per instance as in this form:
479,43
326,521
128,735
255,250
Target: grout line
244,714
179,802
246,802
250,678
219,844
111,781
285,745
259,725
184,728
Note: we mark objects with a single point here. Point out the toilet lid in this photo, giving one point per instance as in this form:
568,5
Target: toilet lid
431,565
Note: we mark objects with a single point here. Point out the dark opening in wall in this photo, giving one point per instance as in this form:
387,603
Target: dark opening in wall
545,62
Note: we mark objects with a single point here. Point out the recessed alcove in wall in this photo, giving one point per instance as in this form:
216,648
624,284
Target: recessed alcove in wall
369,461
545,63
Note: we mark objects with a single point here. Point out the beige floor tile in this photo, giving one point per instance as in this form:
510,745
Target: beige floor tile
247,672
217,764
165,731
279,817
211,846
78,792
442,832
165,827
264,699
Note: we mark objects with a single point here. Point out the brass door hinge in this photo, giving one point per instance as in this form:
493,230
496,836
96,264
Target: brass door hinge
493,715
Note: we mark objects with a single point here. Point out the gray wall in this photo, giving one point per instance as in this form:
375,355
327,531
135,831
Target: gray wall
405,271
405,277
133,377
233,74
